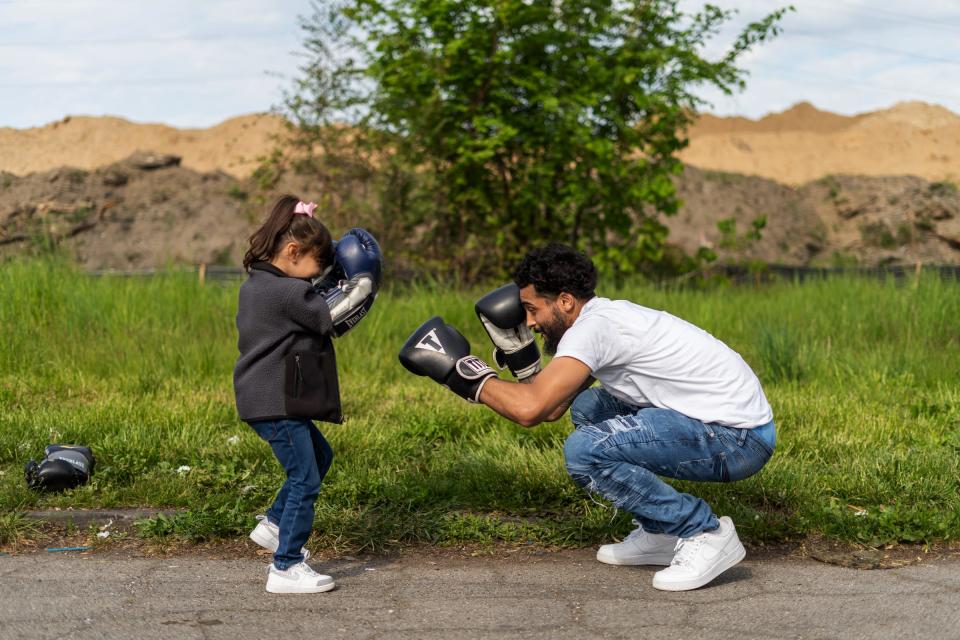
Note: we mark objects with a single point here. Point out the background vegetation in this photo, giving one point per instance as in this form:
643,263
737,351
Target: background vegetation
862,376
476,128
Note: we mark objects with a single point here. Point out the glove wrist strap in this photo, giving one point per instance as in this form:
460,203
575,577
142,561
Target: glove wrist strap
468,377
524,362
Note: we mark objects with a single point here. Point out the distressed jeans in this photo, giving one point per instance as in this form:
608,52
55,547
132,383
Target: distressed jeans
618,450
306,456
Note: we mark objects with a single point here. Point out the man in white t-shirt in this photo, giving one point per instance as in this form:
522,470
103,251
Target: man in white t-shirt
673,401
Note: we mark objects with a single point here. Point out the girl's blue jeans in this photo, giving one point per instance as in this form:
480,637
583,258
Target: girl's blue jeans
306,456
618,450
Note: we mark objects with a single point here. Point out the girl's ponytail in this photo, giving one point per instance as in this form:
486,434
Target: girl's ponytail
283,225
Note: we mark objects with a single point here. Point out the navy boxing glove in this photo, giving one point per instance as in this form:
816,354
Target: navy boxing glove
355,253
439,351
505,320
63,467
350,287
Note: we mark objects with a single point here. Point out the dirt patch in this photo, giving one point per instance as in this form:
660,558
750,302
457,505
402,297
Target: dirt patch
123,543
890,556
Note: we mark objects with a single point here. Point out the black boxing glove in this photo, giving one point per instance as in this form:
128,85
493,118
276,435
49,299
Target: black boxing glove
439,351
505,320
63,467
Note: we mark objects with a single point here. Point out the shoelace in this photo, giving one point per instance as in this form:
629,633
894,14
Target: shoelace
686,550
304,568
636,533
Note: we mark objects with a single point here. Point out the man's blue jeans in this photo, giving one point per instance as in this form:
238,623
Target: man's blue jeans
306,457
619,449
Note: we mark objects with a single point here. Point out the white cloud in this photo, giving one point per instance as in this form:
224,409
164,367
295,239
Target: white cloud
847,55
196,63
185,63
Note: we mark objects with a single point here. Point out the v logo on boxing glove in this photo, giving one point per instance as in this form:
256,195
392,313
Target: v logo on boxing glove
441,352
431,342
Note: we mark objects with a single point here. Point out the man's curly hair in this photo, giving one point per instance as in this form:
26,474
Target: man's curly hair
554,268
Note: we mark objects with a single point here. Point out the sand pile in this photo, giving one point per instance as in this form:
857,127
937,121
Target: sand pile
804,144
92,142
798,145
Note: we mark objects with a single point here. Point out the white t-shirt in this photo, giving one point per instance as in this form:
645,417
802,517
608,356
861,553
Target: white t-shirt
651,358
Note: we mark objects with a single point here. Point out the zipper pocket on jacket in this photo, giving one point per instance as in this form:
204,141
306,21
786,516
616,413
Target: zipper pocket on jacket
310,388
299,376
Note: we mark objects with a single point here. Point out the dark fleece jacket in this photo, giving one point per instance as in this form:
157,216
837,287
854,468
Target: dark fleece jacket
287,366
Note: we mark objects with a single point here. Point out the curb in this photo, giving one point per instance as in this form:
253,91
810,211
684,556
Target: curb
83,517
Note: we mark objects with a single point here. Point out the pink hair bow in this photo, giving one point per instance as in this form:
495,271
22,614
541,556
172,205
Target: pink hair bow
304,208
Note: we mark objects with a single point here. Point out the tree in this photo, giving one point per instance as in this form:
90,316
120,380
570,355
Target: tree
493,125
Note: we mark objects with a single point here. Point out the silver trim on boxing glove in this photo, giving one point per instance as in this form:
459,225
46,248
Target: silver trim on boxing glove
349,302
517,347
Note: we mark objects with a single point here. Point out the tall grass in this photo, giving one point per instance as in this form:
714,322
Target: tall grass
863,377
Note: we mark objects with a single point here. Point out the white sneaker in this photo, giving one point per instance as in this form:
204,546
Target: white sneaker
299,578
701,558
640,547
267,535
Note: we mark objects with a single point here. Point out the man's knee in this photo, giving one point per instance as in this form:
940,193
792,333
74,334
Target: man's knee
580,455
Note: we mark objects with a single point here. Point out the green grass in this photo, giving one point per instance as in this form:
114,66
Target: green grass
863,377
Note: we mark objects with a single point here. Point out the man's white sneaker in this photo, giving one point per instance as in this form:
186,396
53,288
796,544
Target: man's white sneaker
267,535
701,558
640,547
299,578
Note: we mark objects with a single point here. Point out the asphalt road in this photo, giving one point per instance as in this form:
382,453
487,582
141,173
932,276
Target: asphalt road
423,596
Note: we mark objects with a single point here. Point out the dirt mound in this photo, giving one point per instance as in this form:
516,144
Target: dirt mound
915,114
149,211
147,195
93,142
803,116
796,146
803,144
835,221
143,212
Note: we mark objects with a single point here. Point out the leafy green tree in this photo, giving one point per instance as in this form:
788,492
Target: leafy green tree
493,125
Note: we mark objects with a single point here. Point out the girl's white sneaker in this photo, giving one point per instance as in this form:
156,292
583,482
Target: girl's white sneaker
267,535
299,578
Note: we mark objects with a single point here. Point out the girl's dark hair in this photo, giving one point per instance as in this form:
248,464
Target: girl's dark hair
282,227
554,268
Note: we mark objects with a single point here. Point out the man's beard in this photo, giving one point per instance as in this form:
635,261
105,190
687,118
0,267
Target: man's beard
552,332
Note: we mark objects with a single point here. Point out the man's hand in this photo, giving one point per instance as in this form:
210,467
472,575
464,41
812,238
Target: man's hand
438,350
504,319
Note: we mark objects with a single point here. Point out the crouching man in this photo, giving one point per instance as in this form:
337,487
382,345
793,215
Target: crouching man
673,401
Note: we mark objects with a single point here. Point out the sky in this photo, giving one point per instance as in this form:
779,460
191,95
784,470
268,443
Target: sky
195,63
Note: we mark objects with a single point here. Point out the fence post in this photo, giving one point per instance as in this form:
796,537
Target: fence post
202,272
916,274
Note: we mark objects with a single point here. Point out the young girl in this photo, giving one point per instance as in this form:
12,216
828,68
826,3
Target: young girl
286,374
